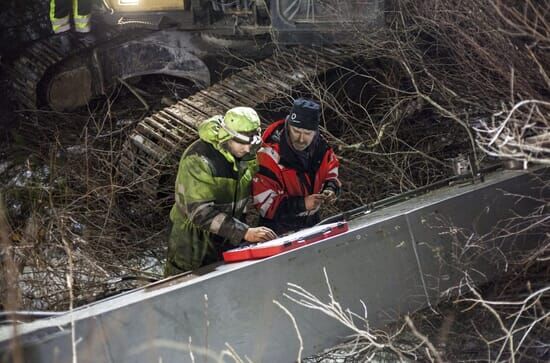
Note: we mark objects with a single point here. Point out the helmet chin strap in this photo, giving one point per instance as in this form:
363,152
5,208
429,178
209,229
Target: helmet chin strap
241,138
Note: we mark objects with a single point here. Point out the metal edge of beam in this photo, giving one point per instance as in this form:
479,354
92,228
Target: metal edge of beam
391,259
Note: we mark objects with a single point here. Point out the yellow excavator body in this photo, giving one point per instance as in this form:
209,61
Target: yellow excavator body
146,5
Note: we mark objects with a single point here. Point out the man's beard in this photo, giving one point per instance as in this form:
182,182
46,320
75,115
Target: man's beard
300,146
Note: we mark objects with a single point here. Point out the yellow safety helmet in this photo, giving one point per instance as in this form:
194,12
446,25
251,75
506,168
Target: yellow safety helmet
241,124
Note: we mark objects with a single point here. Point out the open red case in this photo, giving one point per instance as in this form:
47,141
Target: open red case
286,243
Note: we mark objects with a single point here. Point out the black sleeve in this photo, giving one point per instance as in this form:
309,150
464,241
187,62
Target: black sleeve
332,185
290,207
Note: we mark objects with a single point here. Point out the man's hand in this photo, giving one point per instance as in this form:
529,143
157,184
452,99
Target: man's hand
259,234
313,201
330,196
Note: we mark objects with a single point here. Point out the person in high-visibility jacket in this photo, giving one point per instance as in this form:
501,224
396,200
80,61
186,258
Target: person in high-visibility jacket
60,14
213,187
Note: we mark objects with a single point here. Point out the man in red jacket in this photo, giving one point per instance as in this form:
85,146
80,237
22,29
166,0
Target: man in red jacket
298,171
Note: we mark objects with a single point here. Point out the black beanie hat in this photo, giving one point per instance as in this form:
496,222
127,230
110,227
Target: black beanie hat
305,114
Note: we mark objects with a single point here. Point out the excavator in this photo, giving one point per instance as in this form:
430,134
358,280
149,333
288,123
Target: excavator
179,38
188,34
282,43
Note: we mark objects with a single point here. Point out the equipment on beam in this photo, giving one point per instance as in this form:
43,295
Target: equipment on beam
285,243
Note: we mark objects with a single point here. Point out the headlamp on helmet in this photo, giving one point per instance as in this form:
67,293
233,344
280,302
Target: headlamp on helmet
242,124
252,137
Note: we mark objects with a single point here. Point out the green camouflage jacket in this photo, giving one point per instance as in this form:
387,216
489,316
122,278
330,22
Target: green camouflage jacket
212,189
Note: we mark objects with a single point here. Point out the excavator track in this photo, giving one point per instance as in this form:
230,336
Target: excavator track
29,68
26,71
151,153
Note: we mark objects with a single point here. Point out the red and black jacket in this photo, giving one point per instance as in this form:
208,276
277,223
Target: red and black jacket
286,176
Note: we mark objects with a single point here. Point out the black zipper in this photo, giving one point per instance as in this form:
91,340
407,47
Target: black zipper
307,187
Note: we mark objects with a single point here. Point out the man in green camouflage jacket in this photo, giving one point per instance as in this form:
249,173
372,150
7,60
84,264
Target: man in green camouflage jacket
213,186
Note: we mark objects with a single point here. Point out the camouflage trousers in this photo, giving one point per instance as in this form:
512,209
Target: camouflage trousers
190,247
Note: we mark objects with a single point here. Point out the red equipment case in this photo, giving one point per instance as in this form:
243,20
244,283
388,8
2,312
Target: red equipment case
286,243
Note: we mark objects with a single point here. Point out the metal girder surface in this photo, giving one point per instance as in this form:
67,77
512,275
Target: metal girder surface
397,260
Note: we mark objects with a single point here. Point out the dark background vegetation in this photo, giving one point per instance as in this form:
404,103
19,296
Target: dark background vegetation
445,78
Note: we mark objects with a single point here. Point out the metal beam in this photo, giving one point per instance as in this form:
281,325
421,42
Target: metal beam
397,260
